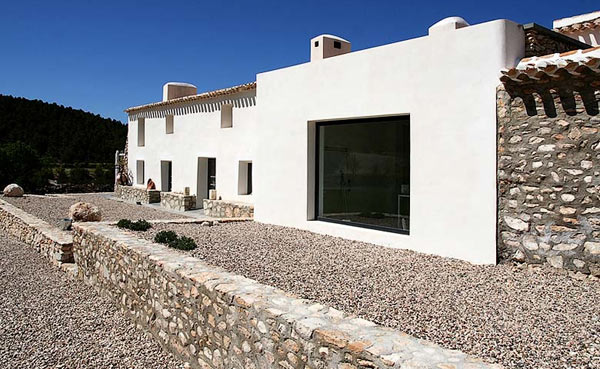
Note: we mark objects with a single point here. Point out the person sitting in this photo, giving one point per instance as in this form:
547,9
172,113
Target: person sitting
150,185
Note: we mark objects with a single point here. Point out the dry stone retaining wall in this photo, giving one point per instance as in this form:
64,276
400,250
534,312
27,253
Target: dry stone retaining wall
137,194
227,209
51,242
549,174
214,319
177,201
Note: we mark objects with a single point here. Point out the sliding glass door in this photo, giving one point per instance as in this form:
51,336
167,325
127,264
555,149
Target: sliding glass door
363,173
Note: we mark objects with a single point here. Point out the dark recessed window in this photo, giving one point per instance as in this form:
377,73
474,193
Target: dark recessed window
316,43
337,44
363,173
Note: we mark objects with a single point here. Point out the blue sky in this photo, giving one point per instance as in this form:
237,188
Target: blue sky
104,56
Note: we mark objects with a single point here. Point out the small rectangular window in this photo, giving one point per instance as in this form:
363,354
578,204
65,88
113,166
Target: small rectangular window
245,178
316,43
337,45
169,124
139,171
141,132
226,116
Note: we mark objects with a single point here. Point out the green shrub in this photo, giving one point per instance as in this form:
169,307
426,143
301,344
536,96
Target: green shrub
140,225
170,239
183,243
165,237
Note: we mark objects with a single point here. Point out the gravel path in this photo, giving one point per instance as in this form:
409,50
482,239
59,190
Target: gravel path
516,316
51,208
48,320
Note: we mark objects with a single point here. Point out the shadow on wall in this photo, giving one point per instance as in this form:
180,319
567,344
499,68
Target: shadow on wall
559,98
195,107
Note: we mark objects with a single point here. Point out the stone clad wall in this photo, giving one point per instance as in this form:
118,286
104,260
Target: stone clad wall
541,41
177,201
212,319
227,209
137,194
51,242
549,174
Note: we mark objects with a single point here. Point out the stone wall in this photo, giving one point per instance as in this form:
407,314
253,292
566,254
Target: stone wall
51,242
549,173
137,194
543,41
227,209
210,318
177,201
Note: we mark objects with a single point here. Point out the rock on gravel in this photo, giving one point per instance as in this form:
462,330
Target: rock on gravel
85,212
53,208
48,320
534,318
13,190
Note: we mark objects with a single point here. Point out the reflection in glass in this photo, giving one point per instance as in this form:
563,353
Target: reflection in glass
364,172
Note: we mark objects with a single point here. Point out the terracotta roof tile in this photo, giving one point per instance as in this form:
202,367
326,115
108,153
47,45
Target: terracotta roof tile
572,62
201,96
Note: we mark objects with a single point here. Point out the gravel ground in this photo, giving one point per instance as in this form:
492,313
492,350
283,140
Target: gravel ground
48,320
51,208
520,317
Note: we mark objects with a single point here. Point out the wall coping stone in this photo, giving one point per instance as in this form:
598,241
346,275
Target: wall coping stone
314,325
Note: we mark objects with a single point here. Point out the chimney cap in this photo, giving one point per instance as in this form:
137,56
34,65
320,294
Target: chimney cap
448,24
180,84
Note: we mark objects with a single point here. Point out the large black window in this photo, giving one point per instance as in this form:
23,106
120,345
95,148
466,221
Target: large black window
363,173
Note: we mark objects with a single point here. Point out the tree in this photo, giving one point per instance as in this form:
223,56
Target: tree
21,164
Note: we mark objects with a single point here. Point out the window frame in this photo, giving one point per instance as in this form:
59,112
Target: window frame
137,172
316,216
169,123
141,133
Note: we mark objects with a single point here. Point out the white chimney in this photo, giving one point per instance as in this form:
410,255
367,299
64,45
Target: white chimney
173,90
326,46
448,24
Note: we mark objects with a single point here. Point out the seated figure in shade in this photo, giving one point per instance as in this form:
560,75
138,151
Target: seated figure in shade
150,185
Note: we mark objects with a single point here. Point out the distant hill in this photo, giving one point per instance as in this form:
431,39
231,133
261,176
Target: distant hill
58,133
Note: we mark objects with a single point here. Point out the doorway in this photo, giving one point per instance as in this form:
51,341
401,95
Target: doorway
206,179
166,176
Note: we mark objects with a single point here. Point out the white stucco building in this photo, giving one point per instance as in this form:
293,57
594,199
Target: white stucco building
393,145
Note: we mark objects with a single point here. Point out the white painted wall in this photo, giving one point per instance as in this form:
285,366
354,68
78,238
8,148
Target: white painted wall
447,83
197,133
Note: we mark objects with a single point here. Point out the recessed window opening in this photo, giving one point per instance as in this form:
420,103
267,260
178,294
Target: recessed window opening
337,45
139,170
226,116
141,131
169,124
166,176
363,173
245,178
316,43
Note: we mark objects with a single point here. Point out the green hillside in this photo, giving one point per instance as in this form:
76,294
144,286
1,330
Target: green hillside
41,141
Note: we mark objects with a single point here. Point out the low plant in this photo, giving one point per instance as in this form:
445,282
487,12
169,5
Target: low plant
140,225
165,237
171,239
183,243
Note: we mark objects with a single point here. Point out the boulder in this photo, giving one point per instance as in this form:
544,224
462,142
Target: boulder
13,190
84,212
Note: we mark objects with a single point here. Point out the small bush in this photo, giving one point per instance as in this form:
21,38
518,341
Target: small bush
170,239
183,243
165,237
140,225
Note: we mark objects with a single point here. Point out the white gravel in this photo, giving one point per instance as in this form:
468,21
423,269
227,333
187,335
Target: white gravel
52,208
48,320
523,318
